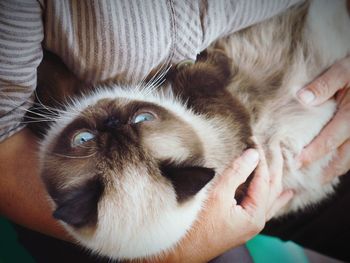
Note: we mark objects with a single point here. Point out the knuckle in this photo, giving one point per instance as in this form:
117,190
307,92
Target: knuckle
236,168
343,67
307,159
240,169
251,226
273,184
265,179
344,113
259,225
329,144
214,196
337,173
322,88
217,195
339,169
256,223
275,190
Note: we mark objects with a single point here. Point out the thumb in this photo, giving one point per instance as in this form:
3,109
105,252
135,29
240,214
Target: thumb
240,169
325,86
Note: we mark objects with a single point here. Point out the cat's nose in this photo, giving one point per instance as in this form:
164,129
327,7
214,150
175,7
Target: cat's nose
111,122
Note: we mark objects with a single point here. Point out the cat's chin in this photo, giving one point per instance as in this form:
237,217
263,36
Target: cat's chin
153,238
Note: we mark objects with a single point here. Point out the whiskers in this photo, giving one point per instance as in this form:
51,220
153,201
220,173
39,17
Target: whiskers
38,112
156,81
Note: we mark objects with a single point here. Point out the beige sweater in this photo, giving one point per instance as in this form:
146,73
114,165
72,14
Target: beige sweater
109,40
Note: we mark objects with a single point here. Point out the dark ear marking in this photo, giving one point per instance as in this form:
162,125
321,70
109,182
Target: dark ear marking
78,206
211,65
187,181
205,81
218,60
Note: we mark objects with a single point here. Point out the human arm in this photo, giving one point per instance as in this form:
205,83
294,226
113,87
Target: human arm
22,197
336,134
22,194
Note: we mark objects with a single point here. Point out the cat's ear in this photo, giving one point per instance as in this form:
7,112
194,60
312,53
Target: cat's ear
210,74
220,63
78,206
187,181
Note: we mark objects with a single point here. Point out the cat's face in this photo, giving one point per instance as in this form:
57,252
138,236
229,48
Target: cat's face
119,168
126,168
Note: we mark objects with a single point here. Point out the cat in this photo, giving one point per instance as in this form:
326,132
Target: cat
128,168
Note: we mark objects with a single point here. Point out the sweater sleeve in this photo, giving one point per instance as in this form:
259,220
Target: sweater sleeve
21,34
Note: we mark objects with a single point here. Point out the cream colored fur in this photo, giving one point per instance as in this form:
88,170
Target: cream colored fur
284,120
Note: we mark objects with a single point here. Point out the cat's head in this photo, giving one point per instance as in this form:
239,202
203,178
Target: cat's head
120,166
126,168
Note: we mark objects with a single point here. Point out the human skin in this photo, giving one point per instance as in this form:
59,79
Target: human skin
22,194
223,224
335,82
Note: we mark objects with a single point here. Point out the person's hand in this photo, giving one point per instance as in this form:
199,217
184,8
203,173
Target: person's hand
336,134
223,224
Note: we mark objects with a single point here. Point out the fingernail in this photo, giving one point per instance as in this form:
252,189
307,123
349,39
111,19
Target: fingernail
251,156
306,96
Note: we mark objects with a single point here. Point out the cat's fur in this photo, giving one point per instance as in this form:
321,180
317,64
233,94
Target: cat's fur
134,190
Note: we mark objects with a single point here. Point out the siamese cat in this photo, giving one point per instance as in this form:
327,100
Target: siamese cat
128,167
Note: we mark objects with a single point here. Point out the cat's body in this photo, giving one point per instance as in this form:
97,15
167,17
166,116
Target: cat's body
128,168
271,66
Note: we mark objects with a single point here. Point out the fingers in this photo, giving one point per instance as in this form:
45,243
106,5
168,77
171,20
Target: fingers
279,203
256,201
276,166
277,198
329,139
240,170
325,86
340,164
265,198
276,172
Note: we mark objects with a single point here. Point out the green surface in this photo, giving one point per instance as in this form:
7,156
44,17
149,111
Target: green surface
10,250
265,249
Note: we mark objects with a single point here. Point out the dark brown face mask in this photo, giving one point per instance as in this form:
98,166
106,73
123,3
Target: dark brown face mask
103,140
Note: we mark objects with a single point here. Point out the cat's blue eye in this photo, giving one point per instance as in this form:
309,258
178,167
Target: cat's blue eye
142,117
82,137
